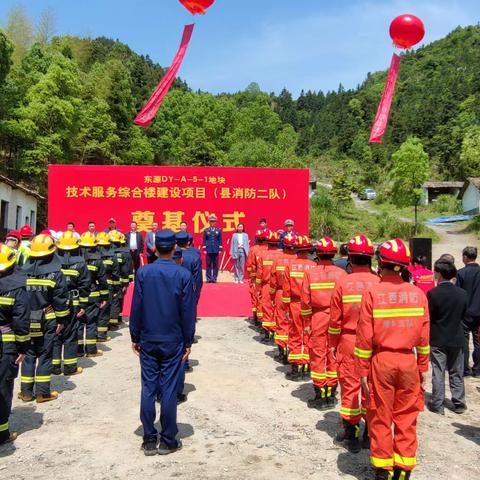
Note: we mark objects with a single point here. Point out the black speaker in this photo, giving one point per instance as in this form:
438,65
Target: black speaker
423,247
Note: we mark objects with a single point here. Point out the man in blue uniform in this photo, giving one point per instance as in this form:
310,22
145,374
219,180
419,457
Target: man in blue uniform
162,326
212,245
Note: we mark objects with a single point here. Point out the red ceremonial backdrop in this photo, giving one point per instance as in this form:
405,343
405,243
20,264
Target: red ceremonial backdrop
170,195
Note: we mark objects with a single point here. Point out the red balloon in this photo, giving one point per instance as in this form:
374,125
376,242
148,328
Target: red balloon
197,6
406,31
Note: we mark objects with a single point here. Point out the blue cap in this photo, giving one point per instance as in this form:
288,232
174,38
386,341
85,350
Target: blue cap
165,238
182,237
178,254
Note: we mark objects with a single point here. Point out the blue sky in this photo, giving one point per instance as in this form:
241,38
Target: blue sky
298,44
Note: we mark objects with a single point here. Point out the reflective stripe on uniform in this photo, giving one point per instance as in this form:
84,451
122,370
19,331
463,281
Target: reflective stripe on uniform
266,324
56,361
334,331
36,334
273,290
35,325
280,268
43,378
90,341
318,376
107,262
40,282
96,294
398,312
295,356
322,286
7,337
350,412
351,298
358,352
332,375
381,462
113,282
7,301
25,379
102,292
268,263
92,268
70,361
281,337
3,427
424,350
22,338
70,273
50,316
404,461
297,274
286,299
62,313
306,312
102,329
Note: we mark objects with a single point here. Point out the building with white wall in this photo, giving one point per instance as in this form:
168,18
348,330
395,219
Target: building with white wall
470,196
18,205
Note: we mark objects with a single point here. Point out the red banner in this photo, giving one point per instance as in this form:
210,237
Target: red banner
148,112
383,112
170,195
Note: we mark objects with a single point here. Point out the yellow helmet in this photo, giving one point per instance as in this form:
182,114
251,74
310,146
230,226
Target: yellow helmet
123,239
42,245
68,241
102,239
115,236
7,257
88,240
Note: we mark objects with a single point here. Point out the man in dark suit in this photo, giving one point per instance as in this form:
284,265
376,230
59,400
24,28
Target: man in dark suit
447,304
135,244
468,278
212,245
150,241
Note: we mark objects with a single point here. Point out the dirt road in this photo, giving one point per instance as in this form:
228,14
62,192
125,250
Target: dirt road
242,420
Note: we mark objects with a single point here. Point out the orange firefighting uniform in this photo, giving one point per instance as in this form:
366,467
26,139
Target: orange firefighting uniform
292,290
394,320
277,281
252,274
317,289
266,306
344,315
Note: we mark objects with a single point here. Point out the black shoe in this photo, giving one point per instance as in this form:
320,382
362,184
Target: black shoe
164,449
366,438
439,411
149,447
295,374
381,474
459,409
467,373
56,371
317,401
399,474
181,398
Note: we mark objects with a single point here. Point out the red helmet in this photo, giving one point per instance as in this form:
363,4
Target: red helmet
26,231
302,242
289,240
273,237
326,246
13,234
361,245
394,252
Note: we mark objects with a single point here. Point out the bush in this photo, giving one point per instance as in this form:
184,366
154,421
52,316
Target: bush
447,204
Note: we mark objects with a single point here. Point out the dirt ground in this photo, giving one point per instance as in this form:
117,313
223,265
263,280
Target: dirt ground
242,419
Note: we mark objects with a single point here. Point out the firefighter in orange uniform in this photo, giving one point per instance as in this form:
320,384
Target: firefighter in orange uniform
263,276
344,315
251,265
277,281
394,321
317,289
298,355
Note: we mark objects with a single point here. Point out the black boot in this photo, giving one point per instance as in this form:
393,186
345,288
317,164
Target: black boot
399,474
331,401
295,374
279,358
56,370
306,372
348,437
318,400
266,337
285,356
381,474
366,438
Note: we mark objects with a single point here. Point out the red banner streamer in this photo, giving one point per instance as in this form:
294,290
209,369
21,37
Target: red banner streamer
383,112
148,112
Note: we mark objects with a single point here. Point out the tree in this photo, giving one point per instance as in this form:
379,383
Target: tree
410,170
46,27
470,156
6,50
20,31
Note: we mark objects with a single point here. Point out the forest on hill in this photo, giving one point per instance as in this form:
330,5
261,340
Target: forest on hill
65,99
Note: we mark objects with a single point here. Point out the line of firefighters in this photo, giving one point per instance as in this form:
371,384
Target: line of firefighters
367,332
55,309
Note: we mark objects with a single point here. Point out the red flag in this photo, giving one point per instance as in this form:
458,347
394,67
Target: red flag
383,112
148,112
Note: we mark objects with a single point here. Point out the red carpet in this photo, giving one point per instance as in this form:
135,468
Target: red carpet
217,300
